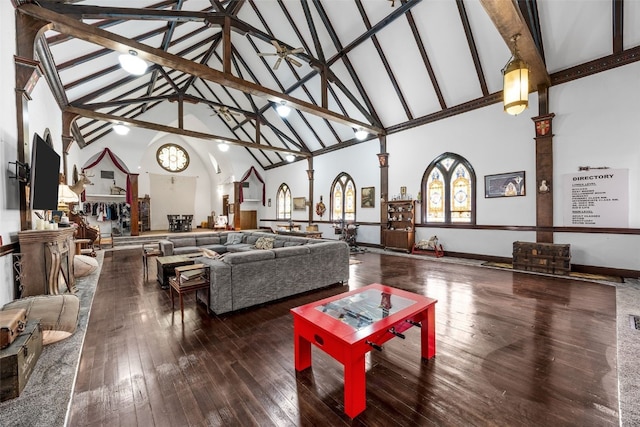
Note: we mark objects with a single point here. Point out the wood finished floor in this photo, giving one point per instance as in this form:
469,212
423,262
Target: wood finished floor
513,349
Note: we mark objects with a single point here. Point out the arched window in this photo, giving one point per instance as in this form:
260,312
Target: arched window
283,200
343,198
449,191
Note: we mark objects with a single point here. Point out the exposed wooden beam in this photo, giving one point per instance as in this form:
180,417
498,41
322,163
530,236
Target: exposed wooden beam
168,129
64,24
508,19
618,25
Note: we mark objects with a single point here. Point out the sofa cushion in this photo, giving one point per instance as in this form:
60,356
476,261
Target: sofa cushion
278,243
234,238
207,240
183,241
251,240
216,248
185,250
264,243
291,251
246,257
287,244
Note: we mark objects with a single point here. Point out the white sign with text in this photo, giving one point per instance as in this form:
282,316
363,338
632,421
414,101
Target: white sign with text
597,198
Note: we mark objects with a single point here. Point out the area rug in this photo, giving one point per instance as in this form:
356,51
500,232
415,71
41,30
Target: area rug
573,274
46,397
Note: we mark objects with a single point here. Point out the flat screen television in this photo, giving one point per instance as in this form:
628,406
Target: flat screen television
45,169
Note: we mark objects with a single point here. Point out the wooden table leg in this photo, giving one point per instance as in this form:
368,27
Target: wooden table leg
355,388
181,306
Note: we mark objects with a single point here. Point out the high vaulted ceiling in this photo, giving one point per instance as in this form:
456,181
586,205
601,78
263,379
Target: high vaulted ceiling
380,65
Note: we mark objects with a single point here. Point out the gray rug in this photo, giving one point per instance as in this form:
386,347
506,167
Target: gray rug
46,397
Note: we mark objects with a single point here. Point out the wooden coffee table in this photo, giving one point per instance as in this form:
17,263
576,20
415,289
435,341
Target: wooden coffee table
349,325
167,264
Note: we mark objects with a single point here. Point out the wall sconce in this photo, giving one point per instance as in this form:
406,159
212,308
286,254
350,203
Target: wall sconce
515,90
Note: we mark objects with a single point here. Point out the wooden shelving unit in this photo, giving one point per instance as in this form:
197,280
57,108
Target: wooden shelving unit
400,231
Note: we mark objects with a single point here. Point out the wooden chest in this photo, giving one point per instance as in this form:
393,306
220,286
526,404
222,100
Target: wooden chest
542,257
18,360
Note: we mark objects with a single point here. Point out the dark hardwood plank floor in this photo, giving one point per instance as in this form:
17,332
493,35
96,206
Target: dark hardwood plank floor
513,349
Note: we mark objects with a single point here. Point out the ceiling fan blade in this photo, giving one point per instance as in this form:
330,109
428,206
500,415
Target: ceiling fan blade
296,50
266,54
276,44
294,62
275,67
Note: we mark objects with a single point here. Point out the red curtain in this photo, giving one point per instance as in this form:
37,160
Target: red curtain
119,164
246,176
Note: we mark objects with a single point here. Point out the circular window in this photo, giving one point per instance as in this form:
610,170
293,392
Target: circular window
172,158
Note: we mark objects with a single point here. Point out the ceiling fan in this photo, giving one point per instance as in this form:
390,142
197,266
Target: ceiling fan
224,112
283,52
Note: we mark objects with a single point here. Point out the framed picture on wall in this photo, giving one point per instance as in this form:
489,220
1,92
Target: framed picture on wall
367,199
504,185
299,203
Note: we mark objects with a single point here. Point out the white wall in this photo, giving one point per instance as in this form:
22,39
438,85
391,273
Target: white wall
9,202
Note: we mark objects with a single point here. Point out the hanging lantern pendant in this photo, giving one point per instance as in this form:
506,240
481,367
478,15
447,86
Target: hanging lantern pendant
515,90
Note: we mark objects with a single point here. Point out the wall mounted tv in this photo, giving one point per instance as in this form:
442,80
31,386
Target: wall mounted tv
45,169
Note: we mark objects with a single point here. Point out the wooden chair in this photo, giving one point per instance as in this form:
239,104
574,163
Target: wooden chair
106,239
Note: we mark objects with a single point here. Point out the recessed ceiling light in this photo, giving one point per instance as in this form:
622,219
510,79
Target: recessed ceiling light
121,129
132,63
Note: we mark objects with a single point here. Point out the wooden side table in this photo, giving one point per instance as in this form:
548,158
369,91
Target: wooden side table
189,278
146,254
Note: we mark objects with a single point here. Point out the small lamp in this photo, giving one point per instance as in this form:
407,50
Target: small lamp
515,89
65,196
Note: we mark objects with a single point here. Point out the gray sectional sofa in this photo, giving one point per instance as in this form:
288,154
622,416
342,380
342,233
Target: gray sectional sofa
246,276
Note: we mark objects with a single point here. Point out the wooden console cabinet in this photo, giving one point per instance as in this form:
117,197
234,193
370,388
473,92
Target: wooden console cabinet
47,261
400,231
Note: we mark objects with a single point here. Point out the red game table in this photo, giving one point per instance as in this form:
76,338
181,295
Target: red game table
349,325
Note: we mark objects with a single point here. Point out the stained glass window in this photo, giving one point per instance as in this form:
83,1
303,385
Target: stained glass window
283,206
343,199
449,189
172,158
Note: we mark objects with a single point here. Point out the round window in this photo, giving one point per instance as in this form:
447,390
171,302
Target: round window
172,158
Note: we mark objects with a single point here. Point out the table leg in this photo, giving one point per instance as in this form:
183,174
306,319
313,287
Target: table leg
428,333
181,305
355,393
171,292
302,352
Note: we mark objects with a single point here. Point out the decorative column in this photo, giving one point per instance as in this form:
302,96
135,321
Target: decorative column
310,172
544,184
383,161
236,205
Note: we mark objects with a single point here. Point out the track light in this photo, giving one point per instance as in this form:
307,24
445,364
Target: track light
121,129
361,134
132,63
283,110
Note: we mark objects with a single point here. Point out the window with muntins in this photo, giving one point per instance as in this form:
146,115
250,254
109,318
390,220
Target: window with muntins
448,191
343,199
283,204
172,158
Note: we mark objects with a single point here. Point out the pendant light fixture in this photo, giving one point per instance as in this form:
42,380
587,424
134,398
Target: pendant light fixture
132,63
283,109
515,91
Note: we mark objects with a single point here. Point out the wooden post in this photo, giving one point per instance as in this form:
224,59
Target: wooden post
544,171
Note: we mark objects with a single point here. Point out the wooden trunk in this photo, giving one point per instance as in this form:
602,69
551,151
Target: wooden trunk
542,257
12,322
18,360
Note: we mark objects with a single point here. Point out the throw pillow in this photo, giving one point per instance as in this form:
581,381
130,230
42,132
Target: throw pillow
234,238
84,265
209,253
264,243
